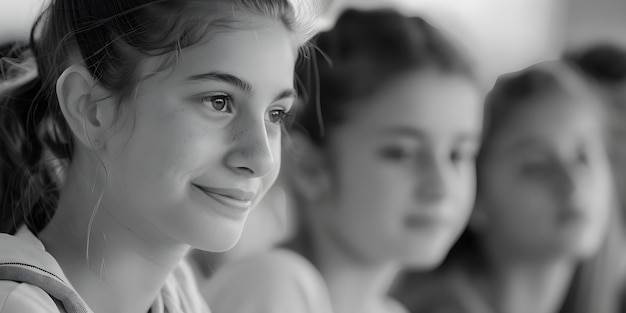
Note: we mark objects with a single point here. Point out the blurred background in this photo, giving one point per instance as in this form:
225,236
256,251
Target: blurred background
502,35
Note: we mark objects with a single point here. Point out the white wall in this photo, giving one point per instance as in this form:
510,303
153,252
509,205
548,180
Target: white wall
502,35
16,17
596,20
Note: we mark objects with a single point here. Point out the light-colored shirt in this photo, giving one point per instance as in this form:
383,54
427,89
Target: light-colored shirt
25,252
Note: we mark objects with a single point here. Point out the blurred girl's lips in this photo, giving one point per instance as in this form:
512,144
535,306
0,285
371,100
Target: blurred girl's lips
419,221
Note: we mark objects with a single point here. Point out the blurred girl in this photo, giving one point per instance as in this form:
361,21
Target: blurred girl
605,67
164,120
543,206
382,162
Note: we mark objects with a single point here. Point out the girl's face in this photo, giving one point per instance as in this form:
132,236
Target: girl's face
404,169
545,186
201,145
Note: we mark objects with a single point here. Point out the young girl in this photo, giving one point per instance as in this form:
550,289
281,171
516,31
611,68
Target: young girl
542,209
605,66
383,167
152,126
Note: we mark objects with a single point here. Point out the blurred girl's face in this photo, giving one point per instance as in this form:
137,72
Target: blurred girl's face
545,182
202,145
403,167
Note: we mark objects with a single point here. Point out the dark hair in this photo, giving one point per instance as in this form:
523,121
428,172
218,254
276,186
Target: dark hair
603,62
364,51
605,66
516,91
112,38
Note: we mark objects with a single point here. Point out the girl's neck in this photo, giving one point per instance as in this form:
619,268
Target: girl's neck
112,267
354,286
523,286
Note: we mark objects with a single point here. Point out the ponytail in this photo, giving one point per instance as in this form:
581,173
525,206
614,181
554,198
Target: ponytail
31,142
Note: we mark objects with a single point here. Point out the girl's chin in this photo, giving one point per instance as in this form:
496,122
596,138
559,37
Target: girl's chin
222,245
220,238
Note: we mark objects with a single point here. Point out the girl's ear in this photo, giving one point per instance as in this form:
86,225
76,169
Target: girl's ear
86,106
306,167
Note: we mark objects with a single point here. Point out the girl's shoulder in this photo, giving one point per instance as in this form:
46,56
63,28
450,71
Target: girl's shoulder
28,275
18,297
274,281
441,292
276,267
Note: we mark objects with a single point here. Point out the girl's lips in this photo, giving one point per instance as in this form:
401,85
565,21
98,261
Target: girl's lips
233,193
418,221
235,201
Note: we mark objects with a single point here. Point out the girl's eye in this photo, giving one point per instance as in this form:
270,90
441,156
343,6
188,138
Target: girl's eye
279,116
221,103
395,153
537,167
582,158
461,155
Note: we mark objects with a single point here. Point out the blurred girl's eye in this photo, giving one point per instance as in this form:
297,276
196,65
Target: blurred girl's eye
396,153
220,103
533,160
462,155
537,166
534,167
582,158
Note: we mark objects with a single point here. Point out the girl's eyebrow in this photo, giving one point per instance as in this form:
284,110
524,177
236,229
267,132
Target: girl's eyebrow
287,93
225,78
403,131
237,83
527,143
468,136
408,131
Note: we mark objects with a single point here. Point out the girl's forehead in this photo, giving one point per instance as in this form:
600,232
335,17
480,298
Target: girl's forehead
231,50
556,104
419,94
549,124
